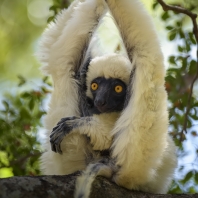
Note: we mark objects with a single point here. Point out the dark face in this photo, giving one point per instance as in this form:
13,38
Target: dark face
108,95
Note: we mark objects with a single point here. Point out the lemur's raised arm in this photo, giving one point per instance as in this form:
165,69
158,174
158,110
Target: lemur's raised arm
62,49
140,134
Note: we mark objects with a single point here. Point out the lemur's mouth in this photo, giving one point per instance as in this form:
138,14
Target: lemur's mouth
104,109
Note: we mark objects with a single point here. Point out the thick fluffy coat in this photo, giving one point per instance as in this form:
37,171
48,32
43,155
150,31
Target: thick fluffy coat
141,146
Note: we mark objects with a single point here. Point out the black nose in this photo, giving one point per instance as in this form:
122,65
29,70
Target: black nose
99,102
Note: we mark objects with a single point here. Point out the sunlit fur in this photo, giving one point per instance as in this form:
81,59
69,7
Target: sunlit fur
58,55
141,146
61,47
109,66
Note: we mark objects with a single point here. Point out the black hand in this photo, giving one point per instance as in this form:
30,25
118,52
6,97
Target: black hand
67,118
63,128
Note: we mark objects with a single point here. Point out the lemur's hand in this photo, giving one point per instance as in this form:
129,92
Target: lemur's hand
63,128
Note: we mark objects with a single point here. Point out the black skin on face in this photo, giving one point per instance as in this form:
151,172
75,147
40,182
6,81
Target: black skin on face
109,96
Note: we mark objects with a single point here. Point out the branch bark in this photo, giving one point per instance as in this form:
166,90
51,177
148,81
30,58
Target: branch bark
63,186
193,17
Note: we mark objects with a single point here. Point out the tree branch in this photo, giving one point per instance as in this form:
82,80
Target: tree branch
193,17
63,186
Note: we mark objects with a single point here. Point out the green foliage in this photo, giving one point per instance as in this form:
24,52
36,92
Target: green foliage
20,119
181,71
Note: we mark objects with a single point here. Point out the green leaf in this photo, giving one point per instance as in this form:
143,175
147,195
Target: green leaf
170,78
188,48
45,90
176,190
25,114
165,16
25,95
188,176
180,49
54,8
6,105
45,79
196,177
155,5
173,70
192,37
50,19
193,67
49,83
172,36
181,34
178,143
172,60
31,104
192,190
169,27
178,23
22,80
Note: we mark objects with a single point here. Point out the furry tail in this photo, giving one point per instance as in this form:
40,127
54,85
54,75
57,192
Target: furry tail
84,182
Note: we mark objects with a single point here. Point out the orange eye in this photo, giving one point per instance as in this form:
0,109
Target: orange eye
94,86
118,89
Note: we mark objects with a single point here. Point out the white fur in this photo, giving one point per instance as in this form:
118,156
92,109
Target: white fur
84,182
141,145
109,66
61,48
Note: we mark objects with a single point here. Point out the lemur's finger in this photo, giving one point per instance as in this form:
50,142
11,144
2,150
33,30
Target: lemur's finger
58,148
62,120
53,147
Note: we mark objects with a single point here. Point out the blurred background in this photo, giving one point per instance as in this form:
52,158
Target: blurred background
25,92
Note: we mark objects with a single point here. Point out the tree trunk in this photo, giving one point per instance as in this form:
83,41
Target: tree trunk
63,186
